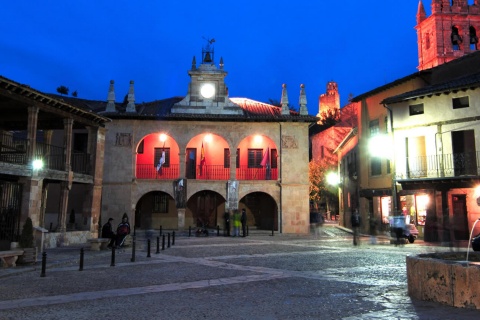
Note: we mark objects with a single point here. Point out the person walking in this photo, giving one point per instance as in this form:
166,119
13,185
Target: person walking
243,220
236,223
356,222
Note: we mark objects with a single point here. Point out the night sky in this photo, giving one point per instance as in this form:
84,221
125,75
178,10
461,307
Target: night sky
84,44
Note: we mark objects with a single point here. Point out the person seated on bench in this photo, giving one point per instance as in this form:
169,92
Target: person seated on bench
107,232
123,230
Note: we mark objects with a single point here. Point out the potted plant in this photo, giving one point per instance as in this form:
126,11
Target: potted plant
27,244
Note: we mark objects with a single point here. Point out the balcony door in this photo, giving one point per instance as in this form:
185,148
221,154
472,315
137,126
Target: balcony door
460,219
464,154
191,163
417,160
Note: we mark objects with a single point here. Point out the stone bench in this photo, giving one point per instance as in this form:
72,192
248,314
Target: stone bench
9,257
97,244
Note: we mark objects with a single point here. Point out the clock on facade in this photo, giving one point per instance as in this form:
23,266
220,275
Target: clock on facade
207,90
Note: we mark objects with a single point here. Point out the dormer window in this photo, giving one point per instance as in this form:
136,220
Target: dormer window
455,38
473,38
461,102
416,109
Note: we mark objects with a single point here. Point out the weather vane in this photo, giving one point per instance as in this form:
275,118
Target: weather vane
210,41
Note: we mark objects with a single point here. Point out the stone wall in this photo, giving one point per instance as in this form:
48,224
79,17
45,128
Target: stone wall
454,283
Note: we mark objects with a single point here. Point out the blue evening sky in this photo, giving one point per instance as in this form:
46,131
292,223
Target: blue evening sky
264,43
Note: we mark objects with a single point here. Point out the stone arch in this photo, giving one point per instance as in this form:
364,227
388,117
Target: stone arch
150,149
262,210
206,208
154,209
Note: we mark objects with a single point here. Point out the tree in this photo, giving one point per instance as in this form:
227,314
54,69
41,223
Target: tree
330,117
63,90
74,93
319,190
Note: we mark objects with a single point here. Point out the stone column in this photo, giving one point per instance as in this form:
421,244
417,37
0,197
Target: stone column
92,203
181,218
32,133
182,165
67,143
63,205
233,166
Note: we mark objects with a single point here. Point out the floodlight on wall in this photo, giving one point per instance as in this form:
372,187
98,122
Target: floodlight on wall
37,164
163,137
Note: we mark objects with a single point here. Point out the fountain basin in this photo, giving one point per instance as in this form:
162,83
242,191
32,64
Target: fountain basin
445,278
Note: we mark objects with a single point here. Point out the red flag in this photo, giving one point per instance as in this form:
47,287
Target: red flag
202,156
266,158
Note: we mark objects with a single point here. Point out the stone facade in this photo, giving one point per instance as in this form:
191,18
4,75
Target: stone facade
448,33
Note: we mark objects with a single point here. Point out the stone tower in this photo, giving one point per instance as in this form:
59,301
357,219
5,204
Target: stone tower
448,33
330,99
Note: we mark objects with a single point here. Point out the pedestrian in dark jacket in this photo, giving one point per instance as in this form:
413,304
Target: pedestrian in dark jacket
107,232
123,230
226,217
356,222
243,220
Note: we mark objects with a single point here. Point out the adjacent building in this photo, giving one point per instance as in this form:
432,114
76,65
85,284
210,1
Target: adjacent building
51,166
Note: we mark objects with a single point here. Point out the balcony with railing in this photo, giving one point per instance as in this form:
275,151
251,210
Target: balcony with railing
439,166
204,172
13,150
149,171
212,172
260,173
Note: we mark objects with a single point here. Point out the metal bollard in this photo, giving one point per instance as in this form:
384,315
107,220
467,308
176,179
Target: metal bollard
189,231
218,230
81,260
112,262
163,242
160,231
158,245
168,243
133,249
44,264
148,248
134,230
173,238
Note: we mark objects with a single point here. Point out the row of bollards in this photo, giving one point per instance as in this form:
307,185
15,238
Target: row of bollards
112,259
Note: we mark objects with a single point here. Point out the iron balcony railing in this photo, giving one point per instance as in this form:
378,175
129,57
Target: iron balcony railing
261,173
13,150
204,172
149,171
438,166
213,172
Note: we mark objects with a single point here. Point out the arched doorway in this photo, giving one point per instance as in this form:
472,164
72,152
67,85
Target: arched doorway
262,210
155,209
207,208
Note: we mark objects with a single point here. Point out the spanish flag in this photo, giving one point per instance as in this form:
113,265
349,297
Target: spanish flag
202,156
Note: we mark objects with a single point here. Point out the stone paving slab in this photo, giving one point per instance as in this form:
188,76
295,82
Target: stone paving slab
297,278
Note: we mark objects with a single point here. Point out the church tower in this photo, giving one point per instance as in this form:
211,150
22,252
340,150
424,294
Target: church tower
330,99
207,92
448,33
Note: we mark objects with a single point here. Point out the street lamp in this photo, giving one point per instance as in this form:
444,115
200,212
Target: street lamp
381,146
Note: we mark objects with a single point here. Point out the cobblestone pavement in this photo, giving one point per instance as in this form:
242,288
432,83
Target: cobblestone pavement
257,277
